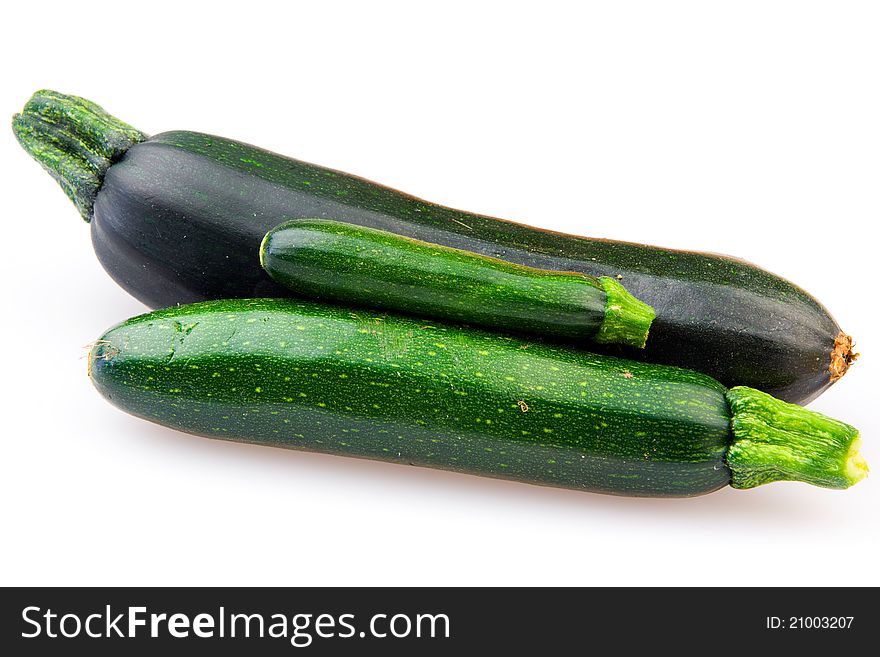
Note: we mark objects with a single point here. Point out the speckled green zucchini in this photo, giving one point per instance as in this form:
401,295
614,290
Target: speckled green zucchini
337,261
310,376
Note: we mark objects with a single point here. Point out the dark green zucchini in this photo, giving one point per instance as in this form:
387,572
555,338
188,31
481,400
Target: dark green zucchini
179,217
310,376
337,261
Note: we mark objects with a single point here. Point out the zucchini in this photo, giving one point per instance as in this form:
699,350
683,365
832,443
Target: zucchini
179,217
305,375
337,261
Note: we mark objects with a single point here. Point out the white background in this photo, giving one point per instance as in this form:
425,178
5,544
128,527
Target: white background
749,128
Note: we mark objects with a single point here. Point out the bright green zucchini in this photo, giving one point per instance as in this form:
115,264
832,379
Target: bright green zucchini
311,376
338,261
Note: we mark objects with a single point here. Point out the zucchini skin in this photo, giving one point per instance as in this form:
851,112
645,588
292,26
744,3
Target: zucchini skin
180,217
305,375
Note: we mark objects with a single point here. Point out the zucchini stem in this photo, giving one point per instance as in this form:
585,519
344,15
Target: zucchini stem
777,441
75,141
627,319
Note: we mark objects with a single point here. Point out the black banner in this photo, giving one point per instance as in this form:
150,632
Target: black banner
429,621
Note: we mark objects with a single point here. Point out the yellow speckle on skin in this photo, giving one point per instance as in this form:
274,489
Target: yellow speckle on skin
557,415
258,389
483,352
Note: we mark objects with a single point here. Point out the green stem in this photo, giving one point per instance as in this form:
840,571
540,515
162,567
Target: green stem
75,140
627,319
777,441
